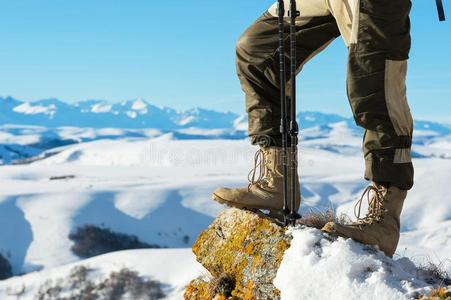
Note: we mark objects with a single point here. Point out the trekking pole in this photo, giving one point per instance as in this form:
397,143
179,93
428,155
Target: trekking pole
441,11
283,105
294,128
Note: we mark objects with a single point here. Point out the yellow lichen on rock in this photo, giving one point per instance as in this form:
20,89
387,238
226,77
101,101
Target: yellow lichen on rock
443,293
198,289
245,247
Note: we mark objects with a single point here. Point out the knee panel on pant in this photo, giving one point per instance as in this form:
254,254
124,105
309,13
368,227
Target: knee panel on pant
258,42
376,89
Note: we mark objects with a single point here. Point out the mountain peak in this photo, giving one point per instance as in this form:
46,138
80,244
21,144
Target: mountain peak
139,104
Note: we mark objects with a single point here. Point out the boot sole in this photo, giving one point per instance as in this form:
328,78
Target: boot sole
237,205
273,213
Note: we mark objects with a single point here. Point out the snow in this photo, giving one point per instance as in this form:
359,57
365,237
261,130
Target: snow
172,267
126,202
187,120
432,244
131,114
317,268
101,108
49,233
203,132
131,183
29,109
156,184
23,139
139,105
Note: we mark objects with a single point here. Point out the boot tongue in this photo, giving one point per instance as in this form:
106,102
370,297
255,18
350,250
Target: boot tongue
392,200
375,195
265,164
258,172
273,160
381,190
382,185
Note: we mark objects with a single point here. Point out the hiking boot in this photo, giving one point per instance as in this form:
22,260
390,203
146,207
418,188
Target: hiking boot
265,191
380,227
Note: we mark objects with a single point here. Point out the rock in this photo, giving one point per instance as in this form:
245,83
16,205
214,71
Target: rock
249,257
242,251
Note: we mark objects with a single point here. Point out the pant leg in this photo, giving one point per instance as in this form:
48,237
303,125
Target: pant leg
258,62
379,45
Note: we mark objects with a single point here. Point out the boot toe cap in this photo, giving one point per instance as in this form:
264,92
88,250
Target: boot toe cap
339,230
329,228
223,194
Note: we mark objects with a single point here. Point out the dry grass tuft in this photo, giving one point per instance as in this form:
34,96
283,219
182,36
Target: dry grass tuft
124,284
440,293
435,274
319,218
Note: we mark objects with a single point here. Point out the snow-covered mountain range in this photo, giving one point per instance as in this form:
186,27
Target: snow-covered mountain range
139,114
28,129
136,113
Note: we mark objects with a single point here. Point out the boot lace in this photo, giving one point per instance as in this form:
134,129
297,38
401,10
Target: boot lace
375,205
259,166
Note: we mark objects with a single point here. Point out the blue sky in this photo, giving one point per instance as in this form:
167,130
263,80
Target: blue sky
181,54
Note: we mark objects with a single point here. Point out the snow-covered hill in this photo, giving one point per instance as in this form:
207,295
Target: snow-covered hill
159,189
156,183
21,144
172,267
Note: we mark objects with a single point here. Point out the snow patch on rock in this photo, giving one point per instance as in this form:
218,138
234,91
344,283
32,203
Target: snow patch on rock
315,267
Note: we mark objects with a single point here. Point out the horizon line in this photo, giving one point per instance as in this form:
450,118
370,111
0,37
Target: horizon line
435,119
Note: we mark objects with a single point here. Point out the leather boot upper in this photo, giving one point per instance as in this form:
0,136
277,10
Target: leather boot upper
265,189
381,225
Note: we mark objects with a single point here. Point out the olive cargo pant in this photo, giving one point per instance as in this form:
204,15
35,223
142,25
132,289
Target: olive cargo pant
377,34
